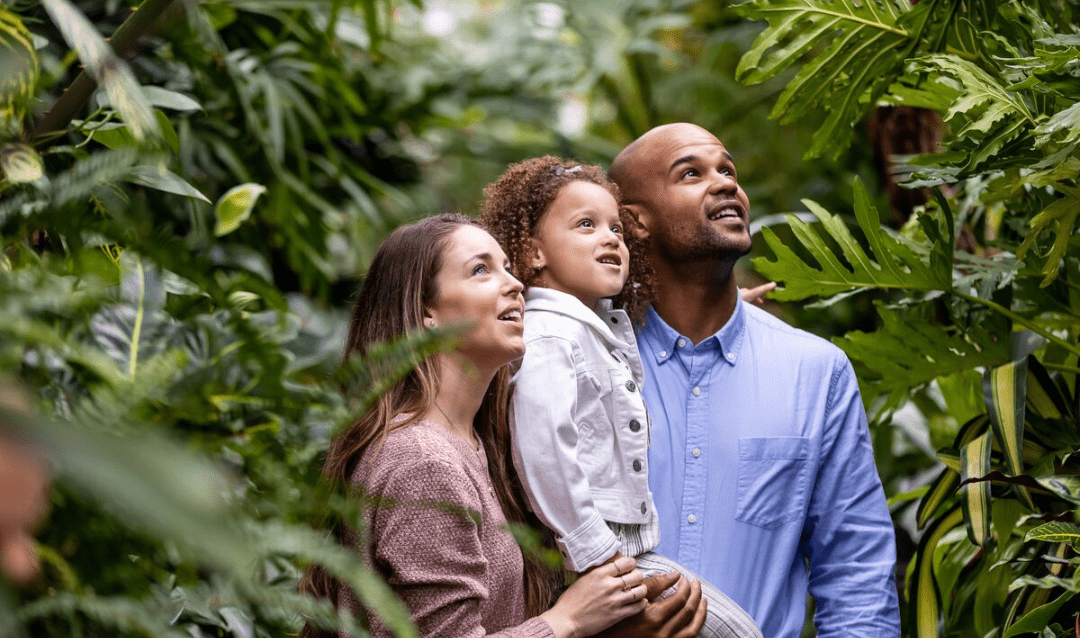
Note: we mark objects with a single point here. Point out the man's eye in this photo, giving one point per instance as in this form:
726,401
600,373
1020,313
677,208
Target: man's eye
690,172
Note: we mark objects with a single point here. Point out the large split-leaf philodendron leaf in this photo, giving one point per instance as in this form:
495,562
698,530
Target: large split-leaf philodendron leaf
891,263
856,48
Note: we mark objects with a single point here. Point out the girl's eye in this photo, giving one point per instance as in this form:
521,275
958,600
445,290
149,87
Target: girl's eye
616,229
585,223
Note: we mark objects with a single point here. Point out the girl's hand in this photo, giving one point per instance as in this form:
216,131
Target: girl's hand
602,596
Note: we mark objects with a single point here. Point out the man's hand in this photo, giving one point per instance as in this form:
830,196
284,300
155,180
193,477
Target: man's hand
680,615
756,295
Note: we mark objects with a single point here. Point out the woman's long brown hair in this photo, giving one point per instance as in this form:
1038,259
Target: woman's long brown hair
399,286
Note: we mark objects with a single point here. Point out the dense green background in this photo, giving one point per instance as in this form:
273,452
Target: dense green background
180,247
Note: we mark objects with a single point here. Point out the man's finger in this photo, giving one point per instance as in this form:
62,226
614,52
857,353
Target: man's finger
658,584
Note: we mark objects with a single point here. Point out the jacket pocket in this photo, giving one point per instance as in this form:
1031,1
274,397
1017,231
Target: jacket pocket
773,475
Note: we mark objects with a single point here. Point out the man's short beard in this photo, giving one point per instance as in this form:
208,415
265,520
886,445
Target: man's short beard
702,248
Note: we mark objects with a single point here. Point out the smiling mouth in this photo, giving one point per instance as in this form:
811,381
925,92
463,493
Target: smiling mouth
725,211
511,315
610,260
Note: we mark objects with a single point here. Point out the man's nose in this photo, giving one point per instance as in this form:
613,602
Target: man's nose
723,183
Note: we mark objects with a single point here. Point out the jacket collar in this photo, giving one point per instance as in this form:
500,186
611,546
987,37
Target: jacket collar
548,300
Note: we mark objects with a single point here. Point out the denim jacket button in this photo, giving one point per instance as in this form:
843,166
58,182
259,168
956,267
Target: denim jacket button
634,425
637,465
631,386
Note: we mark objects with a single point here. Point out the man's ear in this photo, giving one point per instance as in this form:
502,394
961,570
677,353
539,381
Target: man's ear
638,212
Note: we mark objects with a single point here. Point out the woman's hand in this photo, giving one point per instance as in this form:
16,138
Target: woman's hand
602,596
680,615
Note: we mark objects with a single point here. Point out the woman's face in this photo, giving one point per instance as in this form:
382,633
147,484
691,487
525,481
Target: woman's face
475,288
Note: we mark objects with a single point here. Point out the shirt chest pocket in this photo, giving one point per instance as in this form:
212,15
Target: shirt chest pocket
773,477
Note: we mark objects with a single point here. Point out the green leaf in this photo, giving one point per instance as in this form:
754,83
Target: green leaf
109,71
1062,214
162,179
975,457
1056,532
943,487
925,605
864,43
1067,487
1005,390
1067,120
18,69
903,354
1037,619
235,206
166,99
891,264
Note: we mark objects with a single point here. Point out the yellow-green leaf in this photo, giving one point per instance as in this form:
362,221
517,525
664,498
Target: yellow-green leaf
19,164
235,206
976,464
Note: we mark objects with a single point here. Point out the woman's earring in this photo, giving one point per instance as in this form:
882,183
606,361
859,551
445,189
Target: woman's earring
432,324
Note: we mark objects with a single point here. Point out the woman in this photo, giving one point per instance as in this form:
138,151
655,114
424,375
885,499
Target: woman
433,453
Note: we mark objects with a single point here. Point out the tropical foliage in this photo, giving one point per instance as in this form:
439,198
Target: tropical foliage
977,296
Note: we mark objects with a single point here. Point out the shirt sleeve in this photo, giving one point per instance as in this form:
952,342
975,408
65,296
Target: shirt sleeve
848,537
427,540
545,454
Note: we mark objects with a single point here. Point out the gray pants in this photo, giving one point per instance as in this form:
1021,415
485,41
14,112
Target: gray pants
724,619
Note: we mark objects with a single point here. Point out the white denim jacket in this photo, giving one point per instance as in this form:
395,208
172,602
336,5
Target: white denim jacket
581,431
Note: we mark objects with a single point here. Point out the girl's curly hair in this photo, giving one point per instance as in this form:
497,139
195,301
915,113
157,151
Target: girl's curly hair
515,203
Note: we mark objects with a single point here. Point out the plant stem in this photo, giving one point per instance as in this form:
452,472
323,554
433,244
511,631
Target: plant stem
122,41
1027,323
1063,368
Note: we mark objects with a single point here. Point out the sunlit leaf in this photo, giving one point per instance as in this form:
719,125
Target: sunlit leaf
162,179
975,457
19,164
235,206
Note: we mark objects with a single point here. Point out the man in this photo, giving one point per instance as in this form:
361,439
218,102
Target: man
760,464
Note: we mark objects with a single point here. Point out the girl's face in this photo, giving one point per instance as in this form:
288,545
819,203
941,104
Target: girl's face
475,288
579,244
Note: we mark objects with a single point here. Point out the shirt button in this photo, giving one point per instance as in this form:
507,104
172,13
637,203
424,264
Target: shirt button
731,356
634,425
682,342
643,508
691,518
697,391
631,386
696,452
637,465
663,353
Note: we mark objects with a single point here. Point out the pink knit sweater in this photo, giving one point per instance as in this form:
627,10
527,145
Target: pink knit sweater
437,535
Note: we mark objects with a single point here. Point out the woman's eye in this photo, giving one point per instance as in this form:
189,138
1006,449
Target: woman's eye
480,269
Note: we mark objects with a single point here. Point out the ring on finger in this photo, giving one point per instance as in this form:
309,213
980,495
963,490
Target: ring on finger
623,579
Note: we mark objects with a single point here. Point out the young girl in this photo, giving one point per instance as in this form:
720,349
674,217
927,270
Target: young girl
581,431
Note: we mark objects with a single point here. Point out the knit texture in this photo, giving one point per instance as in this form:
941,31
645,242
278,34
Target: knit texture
436,534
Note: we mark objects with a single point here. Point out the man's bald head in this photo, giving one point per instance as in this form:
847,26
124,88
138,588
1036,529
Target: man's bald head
638,165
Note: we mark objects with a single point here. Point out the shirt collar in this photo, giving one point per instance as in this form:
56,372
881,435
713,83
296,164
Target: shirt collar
538,298
664,339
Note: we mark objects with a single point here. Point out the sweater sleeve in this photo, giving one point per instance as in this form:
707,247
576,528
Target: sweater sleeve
426,539
546,455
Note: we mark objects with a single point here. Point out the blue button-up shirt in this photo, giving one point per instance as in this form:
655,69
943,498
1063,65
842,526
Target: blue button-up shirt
763,475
